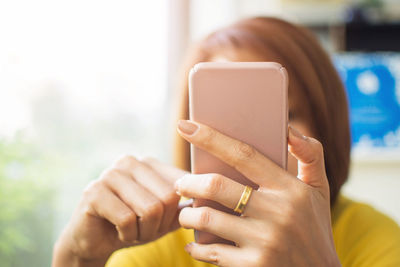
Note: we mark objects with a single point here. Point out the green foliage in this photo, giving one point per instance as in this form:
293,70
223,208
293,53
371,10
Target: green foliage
26,204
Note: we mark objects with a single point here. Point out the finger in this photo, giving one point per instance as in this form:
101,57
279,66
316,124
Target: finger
175,223
243,157
227,226
154,183
148,207
169,172
144,175
215,187
217,254
309,153
105,204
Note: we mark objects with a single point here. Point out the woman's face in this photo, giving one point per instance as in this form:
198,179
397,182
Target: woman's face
294,105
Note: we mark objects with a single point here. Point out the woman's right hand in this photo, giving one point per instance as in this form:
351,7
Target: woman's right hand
133,202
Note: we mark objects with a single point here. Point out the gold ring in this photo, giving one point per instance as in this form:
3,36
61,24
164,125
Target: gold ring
243,200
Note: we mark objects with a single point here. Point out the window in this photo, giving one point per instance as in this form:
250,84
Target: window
81,82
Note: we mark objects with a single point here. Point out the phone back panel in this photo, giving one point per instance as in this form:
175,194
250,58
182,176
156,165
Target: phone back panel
244,100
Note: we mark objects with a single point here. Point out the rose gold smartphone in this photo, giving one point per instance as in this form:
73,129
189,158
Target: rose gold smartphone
244,100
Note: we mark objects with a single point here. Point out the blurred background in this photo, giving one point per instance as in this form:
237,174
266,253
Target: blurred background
82,82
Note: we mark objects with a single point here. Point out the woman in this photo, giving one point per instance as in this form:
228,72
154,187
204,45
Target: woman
295,218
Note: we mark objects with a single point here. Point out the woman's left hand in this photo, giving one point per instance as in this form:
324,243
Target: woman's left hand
287,220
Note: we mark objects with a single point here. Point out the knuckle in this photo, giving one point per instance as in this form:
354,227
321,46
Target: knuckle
84,246
265,239
126,162
245,151
257,258
287,216
92,197
110,174
149,160
214,255
208,137
271,242
153,211
204,218
126,238
90,187
169,198
92,191
127,220
213,185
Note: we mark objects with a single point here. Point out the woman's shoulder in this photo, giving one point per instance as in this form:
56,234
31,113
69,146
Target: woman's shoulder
346,208
364,236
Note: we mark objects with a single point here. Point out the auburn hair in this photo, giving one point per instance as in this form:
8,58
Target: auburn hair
313,81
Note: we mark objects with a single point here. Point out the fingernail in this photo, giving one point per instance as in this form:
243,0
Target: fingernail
187,127
296,133
186,203
188,247
177,185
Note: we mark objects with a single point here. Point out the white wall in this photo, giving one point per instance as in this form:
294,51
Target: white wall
377,183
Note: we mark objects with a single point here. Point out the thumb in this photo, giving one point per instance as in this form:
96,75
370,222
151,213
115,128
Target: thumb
309,153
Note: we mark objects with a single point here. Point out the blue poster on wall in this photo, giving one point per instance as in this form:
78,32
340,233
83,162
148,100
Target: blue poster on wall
372,82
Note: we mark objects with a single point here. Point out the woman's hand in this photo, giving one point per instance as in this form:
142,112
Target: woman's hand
132,203
286,222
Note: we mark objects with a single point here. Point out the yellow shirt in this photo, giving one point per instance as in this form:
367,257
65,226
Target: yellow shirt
362,235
